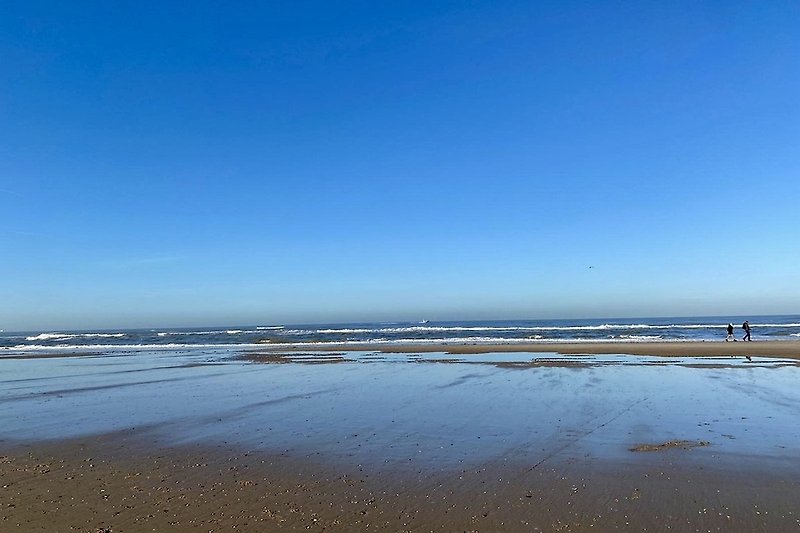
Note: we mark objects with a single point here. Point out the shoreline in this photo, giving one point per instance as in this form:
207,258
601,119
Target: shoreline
759,348
676,348
779,349
788,349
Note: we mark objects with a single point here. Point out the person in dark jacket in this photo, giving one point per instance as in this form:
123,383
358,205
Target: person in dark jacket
730,336
746,328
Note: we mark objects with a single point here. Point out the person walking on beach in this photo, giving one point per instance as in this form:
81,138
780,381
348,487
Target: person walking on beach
746,328
730,336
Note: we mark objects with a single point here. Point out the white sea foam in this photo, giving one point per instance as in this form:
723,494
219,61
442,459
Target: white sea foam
599,327
416,329
475,340
215,332
538,339
469,340
124,347
168,333
49,336
405,333
62,336
421,329
445,329
343,331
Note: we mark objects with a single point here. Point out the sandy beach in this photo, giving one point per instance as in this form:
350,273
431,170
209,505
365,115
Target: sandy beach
111,483
417,441
789,349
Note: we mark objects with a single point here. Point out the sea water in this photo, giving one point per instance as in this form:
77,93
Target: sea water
782,327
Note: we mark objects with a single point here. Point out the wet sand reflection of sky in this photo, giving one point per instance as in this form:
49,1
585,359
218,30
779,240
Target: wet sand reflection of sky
430,410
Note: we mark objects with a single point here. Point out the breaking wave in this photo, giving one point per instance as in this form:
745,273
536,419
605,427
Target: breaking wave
57,336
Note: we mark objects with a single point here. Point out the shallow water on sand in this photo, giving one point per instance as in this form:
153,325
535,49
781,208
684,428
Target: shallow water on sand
428,411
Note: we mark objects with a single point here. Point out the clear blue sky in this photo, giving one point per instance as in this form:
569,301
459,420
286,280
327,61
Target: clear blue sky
211,163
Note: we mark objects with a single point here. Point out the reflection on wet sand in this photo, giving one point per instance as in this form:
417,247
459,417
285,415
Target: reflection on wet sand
515,359
540,437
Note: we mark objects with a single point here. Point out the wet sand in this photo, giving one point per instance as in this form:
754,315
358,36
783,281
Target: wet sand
348,441
789,349
109,483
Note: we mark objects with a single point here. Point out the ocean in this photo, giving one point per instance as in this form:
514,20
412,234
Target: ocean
776,327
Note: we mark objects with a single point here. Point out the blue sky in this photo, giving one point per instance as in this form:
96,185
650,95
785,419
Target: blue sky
204,163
